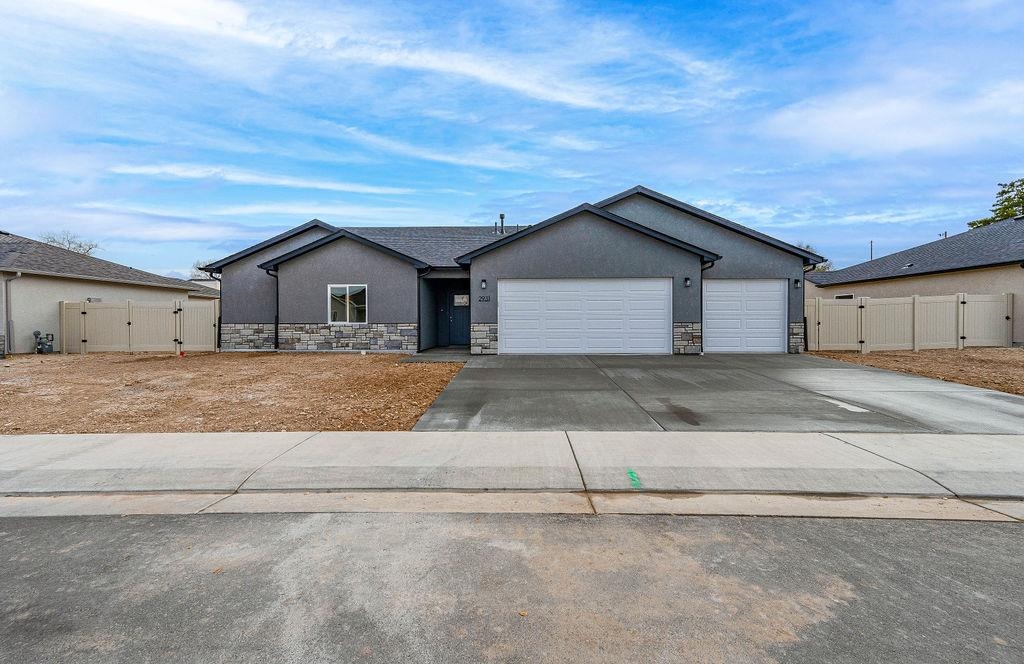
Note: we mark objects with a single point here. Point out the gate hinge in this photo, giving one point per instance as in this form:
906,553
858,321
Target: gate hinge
963,338
861,341
963,301
84,312
128,323
860,306
85,341
1008,318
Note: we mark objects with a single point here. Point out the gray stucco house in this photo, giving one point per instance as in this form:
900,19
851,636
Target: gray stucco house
635,273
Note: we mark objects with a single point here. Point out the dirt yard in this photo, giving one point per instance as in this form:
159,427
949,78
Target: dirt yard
993,368
215,392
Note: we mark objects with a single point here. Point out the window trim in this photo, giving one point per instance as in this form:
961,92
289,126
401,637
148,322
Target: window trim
347,322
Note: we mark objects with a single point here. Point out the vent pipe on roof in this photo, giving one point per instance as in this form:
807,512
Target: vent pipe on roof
502,218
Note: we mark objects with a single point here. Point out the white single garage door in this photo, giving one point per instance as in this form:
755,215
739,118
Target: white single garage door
745,315
585,316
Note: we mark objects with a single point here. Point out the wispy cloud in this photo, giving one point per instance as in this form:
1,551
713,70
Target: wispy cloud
904,115
337,212
489,157
599,70
237,176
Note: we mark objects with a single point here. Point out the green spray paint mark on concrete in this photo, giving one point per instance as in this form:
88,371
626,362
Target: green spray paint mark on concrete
634,479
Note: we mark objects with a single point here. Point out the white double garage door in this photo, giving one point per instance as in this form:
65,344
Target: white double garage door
635,315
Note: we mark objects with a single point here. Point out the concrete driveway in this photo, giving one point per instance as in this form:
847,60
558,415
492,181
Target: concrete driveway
721,392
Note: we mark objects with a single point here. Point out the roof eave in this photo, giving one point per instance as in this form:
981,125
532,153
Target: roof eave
339,234
921,274
217,266
86,277
705,255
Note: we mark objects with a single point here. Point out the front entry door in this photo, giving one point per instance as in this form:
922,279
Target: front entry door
458,317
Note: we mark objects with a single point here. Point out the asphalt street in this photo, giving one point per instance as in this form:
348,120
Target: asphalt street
508,588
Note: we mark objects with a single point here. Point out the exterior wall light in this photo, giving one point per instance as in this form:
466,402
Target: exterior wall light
797,283
686,282
483,284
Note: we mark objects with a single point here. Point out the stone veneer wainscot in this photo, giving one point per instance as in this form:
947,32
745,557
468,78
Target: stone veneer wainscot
247,336
349,336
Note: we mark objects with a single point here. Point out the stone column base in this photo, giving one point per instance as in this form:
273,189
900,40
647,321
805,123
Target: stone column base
687,339
483,339
796,337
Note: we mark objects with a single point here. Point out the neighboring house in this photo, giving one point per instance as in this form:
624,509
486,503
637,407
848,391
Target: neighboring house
35,276
987,260
636,273
208,283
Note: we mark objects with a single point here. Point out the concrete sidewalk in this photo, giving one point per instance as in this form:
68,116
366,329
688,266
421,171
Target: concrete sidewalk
563,471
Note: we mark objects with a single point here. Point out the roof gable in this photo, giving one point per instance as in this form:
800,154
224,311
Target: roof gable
339,234
705,255
216,266
808,257
999,243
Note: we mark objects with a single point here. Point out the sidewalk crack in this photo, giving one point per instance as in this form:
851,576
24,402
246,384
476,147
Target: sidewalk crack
583,480
882,456
256,470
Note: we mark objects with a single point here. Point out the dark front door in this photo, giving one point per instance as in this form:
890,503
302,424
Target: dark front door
458,317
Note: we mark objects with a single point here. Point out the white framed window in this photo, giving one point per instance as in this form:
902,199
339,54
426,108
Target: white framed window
346,303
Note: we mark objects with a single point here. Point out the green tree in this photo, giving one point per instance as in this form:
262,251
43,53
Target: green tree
820,267
1009,204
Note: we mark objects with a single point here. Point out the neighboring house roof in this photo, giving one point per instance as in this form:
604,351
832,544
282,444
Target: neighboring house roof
999,243
216,266
810,258
200,290
22,254
705,255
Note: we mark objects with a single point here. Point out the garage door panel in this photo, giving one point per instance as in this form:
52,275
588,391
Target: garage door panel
585,316
745,315
771,325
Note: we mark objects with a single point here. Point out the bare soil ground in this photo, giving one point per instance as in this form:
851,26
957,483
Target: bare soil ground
993,368
116,392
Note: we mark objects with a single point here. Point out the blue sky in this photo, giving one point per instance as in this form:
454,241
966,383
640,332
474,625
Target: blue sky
176,131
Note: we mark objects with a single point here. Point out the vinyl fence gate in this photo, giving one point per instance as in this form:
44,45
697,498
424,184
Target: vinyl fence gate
130,326
918,322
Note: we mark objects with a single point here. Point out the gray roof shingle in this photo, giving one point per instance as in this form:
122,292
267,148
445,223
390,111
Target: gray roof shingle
1000,243
436,246
22,254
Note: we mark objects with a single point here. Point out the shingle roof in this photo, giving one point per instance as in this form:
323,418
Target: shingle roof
436,246
22,254
433,246
1000,243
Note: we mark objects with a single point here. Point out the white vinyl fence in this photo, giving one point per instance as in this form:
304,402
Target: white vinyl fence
909,323
171,326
